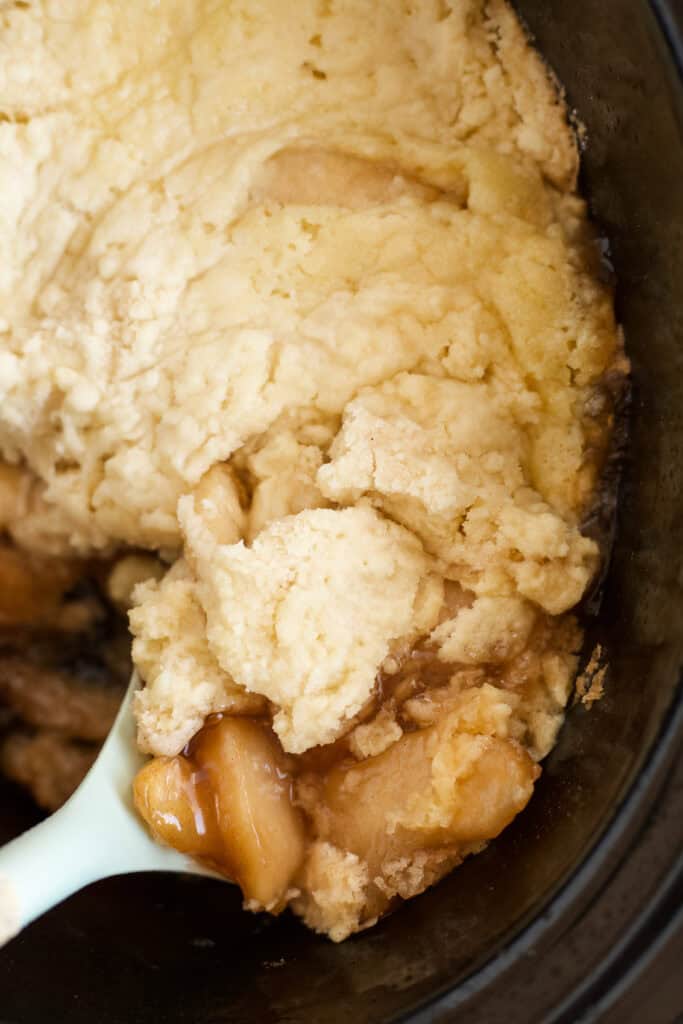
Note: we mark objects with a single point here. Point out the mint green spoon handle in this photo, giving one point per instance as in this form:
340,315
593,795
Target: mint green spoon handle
95,835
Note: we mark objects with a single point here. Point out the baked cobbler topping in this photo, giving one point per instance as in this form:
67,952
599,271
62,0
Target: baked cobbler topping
305,346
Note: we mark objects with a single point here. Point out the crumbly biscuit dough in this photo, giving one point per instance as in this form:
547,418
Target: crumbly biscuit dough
447,459
306,205
306,614
184,681
493,629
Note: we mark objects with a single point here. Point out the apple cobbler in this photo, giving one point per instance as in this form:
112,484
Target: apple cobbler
306,362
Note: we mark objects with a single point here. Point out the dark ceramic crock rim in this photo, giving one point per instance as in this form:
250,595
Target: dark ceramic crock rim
670,20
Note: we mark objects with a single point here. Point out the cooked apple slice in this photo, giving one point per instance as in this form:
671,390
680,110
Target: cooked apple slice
169,797
217,499
454,784
261,831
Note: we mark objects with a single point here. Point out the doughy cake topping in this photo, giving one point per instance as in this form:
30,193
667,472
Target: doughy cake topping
302,300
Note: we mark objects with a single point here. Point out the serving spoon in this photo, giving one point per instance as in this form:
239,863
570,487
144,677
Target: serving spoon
96,834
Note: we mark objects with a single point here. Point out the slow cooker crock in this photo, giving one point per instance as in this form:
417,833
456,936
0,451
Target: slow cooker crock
558,917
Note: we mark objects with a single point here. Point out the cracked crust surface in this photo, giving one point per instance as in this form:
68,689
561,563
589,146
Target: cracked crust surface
172,208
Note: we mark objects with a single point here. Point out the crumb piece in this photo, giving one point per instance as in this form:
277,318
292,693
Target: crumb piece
334,892
590,684
371,738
